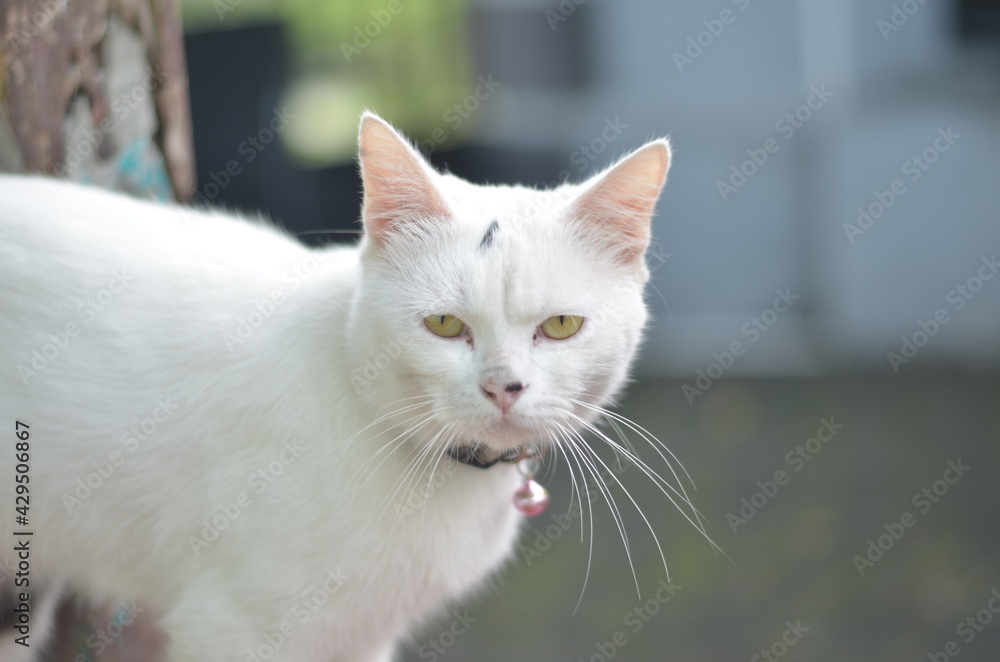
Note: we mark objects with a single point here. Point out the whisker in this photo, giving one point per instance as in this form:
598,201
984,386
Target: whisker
591,468
621,435
641,431
440,456
395,443
574,485
628,494
634,458
650,438
661,484
417,455
590,517
425,397
379,419
571,438
433,454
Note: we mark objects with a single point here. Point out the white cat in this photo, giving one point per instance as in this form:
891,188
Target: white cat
260,441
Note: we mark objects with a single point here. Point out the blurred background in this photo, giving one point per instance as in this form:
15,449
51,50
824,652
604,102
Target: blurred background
825,344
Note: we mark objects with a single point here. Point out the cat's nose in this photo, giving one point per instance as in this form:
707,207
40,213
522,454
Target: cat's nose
503,395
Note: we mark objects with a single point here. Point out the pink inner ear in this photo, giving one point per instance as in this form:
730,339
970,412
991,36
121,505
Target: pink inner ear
618,207
398,185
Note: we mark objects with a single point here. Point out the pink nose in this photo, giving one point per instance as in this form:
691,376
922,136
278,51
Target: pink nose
503,395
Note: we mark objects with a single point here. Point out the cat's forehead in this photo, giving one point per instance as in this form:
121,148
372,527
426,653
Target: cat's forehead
508,283
475,204
510,227
498,230
505,254
505,261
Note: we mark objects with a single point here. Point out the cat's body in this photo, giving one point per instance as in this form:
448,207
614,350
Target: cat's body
250,436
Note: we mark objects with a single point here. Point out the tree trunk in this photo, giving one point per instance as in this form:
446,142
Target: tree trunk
96,91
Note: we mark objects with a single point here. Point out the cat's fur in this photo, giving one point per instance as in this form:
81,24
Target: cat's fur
205,349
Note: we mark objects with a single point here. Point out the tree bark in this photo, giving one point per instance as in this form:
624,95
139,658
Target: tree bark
96,91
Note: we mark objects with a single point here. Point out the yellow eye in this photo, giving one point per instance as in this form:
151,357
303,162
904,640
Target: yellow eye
446,326
561,327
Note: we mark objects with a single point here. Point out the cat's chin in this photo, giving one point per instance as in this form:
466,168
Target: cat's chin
485,456
508,433
496,440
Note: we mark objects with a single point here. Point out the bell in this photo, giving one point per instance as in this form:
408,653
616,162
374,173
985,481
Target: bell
531,498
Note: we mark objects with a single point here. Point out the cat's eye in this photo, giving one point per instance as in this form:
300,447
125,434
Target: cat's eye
446,326
560,327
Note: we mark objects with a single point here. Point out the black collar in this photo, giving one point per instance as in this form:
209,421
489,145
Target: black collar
468,455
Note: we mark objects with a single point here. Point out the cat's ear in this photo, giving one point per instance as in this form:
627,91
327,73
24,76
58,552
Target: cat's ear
616,206
398,183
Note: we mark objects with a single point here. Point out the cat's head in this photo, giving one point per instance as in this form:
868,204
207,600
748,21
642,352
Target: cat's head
497,315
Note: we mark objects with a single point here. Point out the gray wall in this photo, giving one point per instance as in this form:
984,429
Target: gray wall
717,263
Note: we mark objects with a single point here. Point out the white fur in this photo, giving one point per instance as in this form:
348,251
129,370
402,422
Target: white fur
343,345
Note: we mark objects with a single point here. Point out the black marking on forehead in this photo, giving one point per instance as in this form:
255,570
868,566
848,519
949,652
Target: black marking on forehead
487,240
